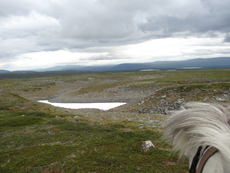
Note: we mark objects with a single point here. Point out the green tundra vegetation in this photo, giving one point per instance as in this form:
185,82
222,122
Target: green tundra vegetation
37,137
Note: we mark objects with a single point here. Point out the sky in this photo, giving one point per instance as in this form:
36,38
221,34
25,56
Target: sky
37,34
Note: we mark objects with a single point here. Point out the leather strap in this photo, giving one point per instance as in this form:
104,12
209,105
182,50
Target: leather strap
208,153
195,160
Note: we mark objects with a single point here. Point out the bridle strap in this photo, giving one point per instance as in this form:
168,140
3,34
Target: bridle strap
210,151
200,159
195,161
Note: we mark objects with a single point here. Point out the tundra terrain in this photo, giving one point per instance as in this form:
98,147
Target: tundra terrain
36,137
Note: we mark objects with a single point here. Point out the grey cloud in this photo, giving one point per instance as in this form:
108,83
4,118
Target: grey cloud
126,20
52,25
227,38
211,17
12,7
201,52
130,20
98,58
104,55
95,21
22,7
10,48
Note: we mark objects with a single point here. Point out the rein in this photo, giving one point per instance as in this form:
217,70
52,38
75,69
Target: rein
199,160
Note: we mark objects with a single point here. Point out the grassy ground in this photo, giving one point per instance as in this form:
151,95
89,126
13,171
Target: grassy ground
33,140
38,142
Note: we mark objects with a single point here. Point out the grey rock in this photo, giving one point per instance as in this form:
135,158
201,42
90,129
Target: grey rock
163,108
226,92
147,145
163,97
205,99
220,99
179,101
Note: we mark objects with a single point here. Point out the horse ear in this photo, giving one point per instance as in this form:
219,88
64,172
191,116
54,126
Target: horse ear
182,108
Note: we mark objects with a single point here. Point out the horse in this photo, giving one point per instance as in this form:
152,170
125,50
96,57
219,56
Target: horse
196,127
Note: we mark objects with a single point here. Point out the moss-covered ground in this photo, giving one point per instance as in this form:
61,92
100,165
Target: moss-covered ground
33,140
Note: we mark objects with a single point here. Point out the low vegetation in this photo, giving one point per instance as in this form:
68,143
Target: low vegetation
36,137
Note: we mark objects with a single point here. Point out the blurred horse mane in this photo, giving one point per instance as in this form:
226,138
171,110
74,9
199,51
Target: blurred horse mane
201,124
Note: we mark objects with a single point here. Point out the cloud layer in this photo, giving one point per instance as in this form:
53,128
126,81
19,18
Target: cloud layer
104,26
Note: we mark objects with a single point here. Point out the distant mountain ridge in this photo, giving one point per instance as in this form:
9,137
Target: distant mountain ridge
220,62
4,71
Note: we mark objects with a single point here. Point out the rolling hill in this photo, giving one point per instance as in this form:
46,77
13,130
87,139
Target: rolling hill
221,62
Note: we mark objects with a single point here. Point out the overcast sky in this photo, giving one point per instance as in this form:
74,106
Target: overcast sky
45,33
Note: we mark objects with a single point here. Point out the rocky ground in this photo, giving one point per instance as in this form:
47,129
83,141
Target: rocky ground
146,107
107,90
149,96
116,94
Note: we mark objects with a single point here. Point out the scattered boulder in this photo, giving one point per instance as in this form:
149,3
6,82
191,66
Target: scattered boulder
147,145
220,99
179,101
163,97
226,92
163,108
141,102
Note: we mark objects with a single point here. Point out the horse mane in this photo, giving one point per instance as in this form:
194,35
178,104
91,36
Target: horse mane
199,124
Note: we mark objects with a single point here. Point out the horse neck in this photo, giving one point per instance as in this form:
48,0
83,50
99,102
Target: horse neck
190,154
215,164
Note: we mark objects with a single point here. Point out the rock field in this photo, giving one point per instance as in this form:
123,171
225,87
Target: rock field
150,96
148,107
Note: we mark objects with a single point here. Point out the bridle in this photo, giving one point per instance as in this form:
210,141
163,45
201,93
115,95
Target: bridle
200,159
